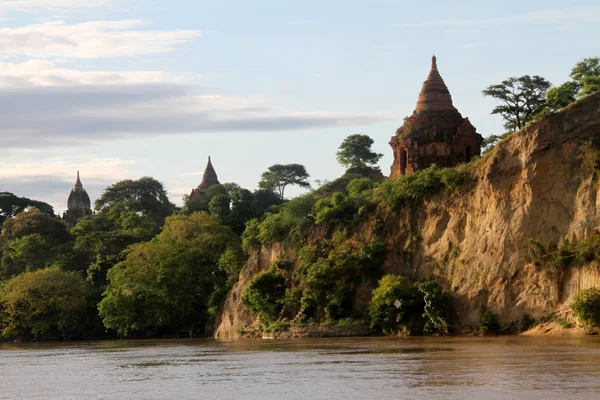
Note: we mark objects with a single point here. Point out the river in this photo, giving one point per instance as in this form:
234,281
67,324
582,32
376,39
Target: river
509,367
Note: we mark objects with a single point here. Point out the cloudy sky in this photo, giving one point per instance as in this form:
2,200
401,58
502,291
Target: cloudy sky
125,88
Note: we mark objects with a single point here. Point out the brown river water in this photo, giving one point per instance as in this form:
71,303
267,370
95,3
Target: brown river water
507,367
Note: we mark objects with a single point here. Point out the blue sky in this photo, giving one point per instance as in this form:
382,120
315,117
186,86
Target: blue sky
124,88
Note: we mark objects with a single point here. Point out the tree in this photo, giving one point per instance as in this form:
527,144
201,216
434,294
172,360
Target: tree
32,240
47,302
586,307
355,152
173,282
389,304
11,205
146,197
563,95
265,294
521,98
437,310
279,176
587,75
489,142
100,240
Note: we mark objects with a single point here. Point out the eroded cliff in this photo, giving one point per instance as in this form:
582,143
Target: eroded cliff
536,184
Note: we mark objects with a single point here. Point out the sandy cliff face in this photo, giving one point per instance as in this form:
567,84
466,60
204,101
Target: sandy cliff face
474,242
532,186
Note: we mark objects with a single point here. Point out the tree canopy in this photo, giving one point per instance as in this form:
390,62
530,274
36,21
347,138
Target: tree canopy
32,240
520,99
47,302
11,205
174,281
355,152
586,74
279,176
145,196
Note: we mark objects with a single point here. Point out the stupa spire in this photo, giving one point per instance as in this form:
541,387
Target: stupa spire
434,95
78,185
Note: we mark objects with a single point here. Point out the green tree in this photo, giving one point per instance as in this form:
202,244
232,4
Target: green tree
563,95
145,196
100,240
355,152
279,176
489,142
389,304
586,74
170,283
47,302
265,295
11,205
201,203
586,307
520,99
438,305
220,206
32,240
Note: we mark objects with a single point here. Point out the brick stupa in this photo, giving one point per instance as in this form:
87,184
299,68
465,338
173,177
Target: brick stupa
436,133
209,178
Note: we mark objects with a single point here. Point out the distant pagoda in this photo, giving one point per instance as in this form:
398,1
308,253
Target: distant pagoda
209,178
78,204
436,133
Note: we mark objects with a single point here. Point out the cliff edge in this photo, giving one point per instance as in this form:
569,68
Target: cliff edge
538,185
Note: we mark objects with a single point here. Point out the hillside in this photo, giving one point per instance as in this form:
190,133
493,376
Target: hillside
535,190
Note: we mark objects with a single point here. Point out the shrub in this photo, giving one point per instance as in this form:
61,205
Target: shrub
586,307
384,312
47,302
421,185
589,156
337,208
488,322
266,294
250,237
527,323
438,307
272,229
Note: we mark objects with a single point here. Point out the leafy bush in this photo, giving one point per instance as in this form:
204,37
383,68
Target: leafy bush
384,312
47,302
567,254
266,294
420,185
527,323
438,307
488,322
589,155
250,237
586,307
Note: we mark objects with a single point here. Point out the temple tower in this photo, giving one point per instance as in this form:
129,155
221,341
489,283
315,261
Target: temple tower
78,204
209,178
436,133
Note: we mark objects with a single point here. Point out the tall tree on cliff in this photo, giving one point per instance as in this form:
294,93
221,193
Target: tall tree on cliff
520,99
586,74
355,152
279,176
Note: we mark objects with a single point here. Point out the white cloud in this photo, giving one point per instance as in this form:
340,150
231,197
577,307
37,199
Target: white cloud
48,73
42,116
90,40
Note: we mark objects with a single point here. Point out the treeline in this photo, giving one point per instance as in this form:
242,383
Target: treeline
140,266
525,99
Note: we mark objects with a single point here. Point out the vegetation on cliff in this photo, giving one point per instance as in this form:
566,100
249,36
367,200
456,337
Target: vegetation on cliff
412,254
